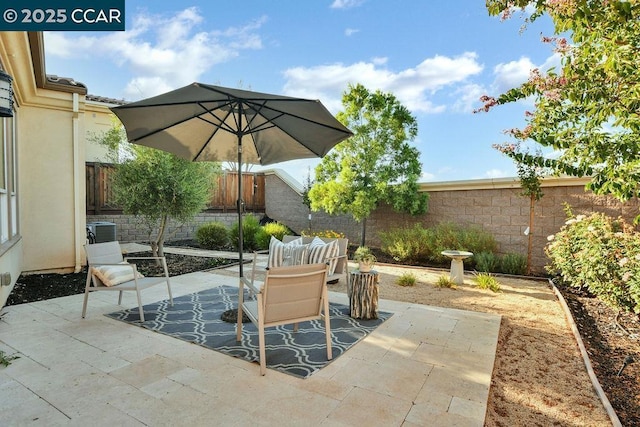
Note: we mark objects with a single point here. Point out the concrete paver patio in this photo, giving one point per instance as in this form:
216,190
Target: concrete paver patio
424,366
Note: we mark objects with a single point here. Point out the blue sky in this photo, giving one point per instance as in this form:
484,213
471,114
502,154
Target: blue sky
436,57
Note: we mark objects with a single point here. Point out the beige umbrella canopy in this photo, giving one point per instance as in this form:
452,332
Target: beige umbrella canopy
201,122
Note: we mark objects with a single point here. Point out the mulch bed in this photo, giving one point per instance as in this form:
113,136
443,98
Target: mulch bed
38,287
611,339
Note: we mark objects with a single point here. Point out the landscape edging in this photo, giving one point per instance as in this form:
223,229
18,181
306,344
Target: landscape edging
585,356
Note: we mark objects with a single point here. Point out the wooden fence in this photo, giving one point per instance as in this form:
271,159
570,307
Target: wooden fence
100,196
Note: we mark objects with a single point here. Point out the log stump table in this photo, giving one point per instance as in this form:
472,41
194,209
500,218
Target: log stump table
362,290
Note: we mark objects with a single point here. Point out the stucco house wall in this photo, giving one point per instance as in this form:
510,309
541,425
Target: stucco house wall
51,116
47,184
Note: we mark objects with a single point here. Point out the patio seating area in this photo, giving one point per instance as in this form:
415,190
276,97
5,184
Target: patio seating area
424,366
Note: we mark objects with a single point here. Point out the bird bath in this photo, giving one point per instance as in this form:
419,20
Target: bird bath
457,266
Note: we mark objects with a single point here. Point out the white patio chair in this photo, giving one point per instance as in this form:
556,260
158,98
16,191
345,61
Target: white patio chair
289,295
109,271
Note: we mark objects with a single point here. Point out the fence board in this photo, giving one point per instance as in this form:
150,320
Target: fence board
100,196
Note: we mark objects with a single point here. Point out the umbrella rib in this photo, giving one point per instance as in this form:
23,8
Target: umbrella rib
282,113
262,101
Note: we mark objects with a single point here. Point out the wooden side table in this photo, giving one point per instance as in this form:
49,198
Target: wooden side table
362,290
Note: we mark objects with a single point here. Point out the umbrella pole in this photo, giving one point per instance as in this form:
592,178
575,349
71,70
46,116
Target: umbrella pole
239,203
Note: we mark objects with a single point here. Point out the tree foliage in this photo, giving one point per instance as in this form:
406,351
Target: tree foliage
157,186
377,164
587,113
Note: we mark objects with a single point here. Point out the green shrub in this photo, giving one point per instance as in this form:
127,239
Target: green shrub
450,236
486,281
486,262
407,244
264,233
213,235
444,281
407,279
513,263
250,227
601,254
416,243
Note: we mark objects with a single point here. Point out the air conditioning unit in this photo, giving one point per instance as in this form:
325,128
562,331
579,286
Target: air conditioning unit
102,230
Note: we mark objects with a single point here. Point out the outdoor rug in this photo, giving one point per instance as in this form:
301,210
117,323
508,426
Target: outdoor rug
196,318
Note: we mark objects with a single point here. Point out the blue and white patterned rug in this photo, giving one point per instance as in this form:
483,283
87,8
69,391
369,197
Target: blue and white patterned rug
196,318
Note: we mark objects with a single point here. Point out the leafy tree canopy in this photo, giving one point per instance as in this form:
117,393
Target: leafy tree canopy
587,113
377,164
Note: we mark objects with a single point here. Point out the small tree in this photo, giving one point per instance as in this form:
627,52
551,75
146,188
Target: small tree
530,182
157,186
377,164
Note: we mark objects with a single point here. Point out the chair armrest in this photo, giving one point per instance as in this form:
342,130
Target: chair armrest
102,264
251,286
331,258
157,258
253,264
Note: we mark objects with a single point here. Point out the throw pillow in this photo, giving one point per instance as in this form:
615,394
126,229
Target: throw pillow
292,253
295,254
319,251
112,275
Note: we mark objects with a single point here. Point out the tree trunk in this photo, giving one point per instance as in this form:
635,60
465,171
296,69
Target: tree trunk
157,247
363,233
532,202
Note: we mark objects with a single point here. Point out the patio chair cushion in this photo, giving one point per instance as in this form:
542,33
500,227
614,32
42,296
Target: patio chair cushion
280,254
112,275
319,251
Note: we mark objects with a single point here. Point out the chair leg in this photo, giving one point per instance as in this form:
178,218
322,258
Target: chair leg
139,305
166,275
263,356
86,295
170,295
120,298
327,327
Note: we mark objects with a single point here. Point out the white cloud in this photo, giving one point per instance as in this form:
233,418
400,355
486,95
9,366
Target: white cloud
345,4
350,31
554,61
468,98
61,45
161,52
512,74
139,87
412,87
497,173
427,176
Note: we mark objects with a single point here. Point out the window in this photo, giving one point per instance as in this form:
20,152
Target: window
8,178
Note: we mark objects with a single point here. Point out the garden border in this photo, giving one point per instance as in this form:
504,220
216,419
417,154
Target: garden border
585,356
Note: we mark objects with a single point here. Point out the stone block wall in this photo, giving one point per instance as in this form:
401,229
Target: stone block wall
284,204
495,205
131,229
504,213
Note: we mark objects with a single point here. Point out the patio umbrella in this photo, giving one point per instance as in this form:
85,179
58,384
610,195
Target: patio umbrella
201,122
